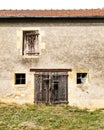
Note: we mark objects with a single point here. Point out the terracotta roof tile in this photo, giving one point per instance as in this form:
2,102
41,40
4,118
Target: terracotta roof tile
52,13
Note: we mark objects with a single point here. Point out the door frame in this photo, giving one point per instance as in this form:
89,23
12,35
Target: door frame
51,70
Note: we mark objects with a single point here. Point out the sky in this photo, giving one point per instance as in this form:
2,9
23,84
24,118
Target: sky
51,4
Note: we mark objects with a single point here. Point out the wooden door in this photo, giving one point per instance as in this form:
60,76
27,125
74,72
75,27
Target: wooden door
51,87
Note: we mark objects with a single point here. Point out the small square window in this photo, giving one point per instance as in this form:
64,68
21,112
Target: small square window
81,78
30,42
20,78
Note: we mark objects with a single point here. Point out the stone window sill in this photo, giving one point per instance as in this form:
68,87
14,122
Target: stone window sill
30,56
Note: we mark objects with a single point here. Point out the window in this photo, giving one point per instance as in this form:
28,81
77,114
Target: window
30,42
81,78
20,78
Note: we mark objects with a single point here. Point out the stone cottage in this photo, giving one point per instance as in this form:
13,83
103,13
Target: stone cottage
52,56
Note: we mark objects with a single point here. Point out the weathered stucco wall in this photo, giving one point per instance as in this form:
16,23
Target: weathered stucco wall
78,45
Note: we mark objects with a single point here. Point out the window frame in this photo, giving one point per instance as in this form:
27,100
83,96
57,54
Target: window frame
35,46
81,77
20,79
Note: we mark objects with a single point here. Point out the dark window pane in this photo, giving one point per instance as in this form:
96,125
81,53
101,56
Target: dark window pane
23,76
20,75
23,81
79,75
17,81
84,75
79,81
17,76
55,85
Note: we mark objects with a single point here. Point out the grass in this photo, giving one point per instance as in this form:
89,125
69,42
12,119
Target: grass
43,117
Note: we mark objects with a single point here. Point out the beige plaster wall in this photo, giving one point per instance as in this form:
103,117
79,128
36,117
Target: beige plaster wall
78,45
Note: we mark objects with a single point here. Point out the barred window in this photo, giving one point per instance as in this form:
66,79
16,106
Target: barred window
30,42
20,78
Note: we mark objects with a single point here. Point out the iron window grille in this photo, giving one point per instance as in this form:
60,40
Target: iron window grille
20,78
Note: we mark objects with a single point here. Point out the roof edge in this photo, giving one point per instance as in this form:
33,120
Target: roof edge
53,13
51,17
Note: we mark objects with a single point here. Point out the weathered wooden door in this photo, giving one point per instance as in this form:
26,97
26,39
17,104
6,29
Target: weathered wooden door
51,87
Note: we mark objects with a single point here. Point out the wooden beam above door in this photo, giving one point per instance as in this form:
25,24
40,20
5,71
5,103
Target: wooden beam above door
49,70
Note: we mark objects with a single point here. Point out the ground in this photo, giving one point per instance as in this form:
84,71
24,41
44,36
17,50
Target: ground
47,117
